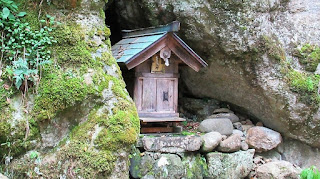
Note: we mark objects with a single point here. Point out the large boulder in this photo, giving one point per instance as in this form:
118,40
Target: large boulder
262,138
210,141
78,118
172,144
232,166
231,144
279,170
222,125
245,44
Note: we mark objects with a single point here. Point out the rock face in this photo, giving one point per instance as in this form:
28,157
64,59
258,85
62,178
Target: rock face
245,44
233,166
263,139
231,144
299,153
279,170
172,144
221,125
197,109
210,141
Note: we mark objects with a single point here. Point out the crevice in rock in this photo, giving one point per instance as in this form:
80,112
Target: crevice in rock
112,21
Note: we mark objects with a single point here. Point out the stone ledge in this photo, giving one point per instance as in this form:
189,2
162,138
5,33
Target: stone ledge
171,144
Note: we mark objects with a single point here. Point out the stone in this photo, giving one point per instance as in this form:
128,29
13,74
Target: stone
139,143
238,126
3,177
233,118
168,166
240,133
317,72
148,177
172,144
246,127
121,168
224,137
259,124
210,141
272,154
222,125
230,165
244,146
279,170
222,110
231,144
249,122
263,139
159,165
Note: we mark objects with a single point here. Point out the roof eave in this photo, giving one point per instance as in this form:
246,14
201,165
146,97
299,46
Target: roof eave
193,53
129,62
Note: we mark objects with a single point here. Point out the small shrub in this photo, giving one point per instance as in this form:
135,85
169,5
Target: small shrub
310,173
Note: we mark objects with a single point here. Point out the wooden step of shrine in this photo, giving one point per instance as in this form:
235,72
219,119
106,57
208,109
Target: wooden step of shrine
163,119
160,125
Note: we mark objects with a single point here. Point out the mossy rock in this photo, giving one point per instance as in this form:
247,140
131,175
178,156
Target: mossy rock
309,56
273,48
306,85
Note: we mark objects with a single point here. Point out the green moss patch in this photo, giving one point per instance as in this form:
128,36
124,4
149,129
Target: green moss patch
306,85
58,91
97,153
71,48
309,56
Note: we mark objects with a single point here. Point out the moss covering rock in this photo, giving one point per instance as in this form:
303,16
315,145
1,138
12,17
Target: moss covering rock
80,107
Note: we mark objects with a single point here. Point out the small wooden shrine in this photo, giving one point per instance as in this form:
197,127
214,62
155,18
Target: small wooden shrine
155,54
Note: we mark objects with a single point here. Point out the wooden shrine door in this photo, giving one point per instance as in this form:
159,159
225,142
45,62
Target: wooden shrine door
156,97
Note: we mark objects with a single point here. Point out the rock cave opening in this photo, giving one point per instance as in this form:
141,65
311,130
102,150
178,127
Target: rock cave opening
191,107
112,21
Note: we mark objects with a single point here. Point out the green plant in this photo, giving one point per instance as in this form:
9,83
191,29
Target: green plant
23,50
33,155
184,123
188,133
310,173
